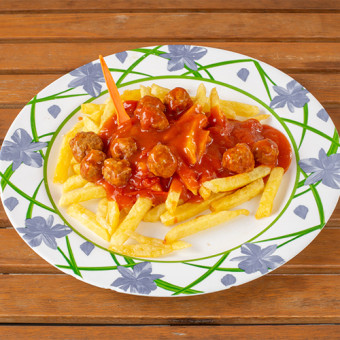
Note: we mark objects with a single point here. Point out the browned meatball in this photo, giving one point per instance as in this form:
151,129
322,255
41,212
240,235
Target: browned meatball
117,172
266,152
123,147
150,112
161,161
238,159
178,100
91,165
83,142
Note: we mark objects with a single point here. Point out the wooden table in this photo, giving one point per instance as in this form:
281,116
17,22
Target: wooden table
41,40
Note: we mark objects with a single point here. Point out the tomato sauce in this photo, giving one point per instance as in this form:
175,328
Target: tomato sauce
197,139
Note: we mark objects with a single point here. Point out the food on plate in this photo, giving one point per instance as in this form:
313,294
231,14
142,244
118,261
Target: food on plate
155,154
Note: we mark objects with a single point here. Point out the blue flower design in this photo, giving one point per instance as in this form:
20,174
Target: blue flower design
87,247
88,76
138,280
293,96
121,56
258,259
38,229
228,280
325,169
22,150
180,55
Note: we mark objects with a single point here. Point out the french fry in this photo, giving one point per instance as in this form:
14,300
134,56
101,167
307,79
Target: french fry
261,117
201,98
241,109
109,111
131,95
174,195
187,210
113,215
237,181
90,125
204,192
131,221
269,193
74,182
88,219
145,91
154,214
149,250
239,197
201,223
159,91
76,168
89,192
101,215
90,108
227,110
146,239
65,155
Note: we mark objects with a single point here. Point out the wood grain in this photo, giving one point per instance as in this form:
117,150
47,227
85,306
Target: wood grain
270,299
193,26
325,87
17,257
93,5
278,332
64,57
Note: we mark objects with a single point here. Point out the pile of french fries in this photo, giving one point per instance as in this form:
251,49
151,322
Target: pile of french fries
118,227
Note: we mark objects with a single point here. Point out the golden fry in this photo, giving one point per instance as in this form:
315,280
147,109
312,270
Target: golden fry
113,215
201,223
237,181
159,91
149,250
76,168
154,214
130,95
88,219
261,117
187,210
101,215
201,98
90,108
145,91
131,221
89,192
172,199
109,111
241,109
90,125
238,197
74,182
204,192
269,193
65,155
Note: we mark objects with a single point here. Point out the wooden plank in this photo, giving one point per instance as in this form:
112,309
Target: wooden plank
17,257
325,87
174,27
41,5
62,58
278,332
270,299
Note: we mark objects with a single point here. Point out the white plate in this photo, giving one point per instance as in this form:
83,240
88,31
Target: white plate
222,257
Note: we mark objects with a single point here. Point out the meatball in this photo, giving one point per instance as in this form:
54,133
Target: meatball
178,100
91,165
161,161
238,159
83,142
266,152
150,112
117,172
123,147
248,131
